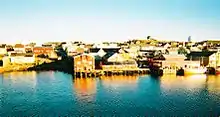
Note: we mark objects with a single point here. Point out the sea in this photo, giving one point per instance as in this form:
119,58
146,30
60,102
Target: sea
59,94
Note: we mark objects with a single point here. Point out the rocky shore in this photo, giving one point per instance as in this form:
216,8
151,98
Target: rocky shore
13,68
64,65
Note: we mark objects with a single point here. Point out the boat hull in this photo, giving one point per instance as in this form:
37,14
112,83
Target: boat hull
195,71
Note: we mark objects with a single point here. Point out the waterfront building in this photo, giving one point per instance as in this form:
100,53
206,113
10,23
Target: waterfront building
119,60
84,62
22,58
97,52
173,61
214,60
200,56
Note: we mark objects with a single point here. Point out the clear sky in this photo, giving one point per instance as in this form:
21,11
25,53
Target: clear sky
108,20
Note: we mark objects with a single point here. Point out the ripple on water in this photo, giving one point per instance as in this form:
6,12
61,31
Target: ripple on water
55,93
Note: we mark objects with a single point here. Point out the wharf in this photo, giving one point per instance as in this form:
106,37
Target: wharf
98,73
169,71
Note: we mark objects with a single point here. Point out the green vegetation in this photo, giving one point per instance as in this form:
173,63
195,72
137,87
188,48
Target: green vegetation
182,50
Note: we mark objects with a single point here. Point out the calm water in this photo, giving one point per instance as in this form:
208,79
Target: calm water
58,94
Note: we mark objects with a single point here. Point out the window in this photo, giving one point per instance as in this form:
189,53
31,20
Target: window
90,63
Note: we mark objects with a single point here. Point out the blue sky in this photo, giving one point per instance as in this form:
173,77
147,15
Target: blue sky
108,20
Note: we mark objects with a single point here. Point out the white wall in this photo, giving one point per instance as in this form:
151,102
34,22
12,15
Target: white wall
22,50
22,60
3,51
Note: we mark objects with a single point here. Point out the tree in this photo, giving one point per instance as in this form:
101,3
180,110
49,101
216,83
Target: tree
182,50
32,44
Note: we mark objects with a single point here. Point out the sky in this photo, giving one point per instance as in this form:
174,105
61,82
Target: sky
24,21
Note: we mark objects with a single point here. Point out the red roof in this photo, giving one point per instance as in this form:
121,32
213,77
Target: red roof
42,50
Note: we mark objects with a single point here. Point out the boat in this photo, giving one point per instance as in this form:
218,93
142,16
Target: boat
194,69
180,72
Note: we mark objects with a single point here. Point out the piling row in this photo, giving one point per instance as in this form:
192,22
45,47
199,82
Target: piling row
98,73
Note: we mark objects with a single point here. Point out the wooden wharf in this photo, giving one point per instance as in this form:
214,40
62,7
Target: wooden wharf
99,73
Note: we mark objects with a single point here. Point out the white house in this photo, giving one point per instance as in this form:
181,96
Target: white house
3,50
20,58
19,48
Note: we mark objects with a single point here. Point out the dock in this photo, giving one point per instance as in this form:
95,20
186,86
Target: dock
99,73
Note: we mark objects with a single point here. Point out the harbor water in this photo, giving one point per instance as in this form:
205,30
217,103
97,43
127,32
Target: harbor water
58,94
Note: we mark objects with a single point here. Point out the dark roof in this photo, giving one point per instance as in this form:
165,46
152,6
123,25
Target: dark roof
94,50
97,57
147,50
107,55
107,50
46,45
203,53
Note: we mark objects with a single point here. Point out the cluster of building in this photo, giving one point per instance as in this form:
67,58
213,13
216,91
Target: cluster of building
137,54
133,54
19,54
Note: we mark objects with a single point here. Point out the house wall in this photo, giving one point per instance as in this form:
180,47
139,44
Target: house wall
84,62
177,64
203,60
21,50
22,60
214,60
6,61
42,50
3,51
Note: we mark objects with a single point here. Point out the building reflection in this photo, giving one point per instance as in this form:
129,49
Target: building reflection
187,82
120,81
213,84
85,87
20,78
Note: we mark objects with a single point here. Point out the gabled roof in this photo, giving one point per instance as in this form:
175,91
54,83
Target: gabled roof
107,50
107,55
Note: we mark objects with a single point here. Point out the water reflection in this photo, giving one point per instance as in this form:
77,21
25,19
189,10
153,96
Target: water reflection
20,79
57,94
120,81
213,84
84,87
187,82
